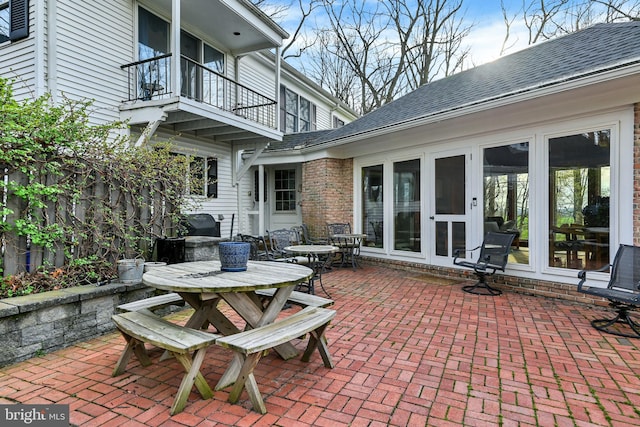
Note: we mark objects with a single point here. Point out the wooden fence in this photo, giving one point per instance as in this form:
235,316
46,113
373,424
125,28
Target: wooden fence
104,219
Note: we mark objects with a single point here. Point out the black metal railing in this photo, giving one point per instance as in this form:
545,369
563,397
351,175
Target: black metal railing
151,79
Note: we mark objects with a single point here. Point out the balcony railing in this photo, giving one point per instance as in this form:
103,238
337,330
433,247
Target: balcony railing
150,79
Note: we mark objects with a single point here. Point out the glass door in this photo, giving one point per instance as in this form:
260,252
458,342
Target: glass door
449,217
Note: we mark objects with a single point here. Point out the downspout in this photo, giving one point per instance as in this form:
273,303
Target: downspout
277,88
39,48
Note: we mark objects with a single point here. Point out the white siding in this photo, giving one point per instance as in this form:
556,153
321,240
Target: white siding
226,202
17,60
94,38
255,73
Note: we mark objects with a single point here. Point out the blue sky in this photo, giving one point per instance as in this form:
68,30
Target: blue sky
486,36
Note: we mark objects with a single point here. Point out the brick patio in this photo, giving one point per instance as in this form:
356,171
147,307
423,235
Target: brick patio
408,349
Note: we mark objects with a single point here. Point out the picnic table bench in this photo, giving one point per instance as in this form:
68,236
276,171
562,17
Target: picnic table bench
302,299
152,303
250,345
140,327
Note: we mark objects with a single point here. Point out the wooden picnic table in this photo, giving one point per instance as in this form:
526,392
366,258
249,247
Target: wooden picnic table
203,285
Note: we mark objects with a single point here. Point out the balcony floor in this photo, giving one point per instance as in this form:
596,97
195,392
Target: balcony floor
409,350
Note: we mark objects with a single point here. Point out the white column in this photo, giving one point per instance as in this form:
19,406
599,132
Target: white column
261,200
175,47
277,95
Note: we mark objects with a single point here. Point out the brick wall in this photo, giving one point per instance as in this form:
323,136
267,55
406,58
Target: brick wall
327,195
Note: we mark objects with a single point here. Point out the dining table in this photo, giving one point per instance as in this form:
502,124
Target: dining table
349,245
318,257
203,285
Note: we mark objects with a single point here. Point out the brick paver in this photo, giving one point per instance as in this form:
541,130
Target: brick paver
407,350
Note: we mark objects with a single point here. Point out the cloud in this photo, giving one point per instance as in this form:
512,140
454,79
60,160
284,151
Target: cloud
485,40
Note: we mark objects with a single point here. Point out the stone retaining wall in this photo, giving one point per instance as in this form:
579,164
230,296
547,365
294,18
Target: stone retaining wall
37,324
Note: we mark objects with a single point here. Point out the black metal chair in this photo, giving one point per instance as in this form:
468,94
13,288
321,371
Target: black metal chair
344,246
623,291
280,239
494,254
259,250
308,239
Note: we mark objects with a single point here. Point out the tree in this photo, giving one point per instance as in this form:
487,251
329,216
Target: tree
369,53
547,19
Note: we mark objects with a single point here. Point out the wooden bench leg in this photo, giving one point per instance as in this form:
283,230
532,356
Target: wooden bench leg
246,380
193,376
317,340
133,347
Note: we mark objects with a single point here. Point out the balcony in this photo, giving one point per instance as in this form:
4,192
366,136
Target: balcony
207,103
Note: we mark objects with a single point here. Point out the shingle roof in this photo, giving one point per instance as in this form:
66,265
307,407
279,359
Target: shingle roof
296,141
596,49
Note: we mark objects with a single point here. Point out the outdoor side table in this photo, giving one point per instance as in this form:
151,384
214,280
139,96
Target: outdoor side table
318,257
349,245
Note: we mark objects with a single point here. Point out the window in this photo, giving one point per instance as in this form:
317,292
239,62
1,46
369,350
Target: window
4,21
196,82
153,35
579,191
337,123
14,20
297,114
285,190
212,177
290,111
307,115
190,50
506,195
372,207
153,41
406,205
203,174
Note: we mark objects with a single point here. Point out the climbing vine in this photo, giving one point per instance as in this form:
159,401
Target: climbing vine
77,196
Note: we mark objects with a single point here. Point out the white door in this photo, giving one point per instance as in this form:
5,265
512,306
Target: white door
450,205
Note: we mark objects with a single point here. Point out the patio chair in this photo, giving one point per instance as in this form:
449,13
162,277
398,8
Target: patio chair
494,254
343,247
623,291
308,239
259,250
280,239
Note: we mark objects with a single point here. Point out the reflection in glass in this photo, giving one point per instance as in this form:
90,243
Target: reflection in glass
442,239
450,185
372,205
406,205
506,195
579,190
213,85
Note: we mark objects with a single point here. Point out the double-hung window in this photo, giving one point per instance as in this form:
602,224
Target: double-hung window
285,190
297,114
203,177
